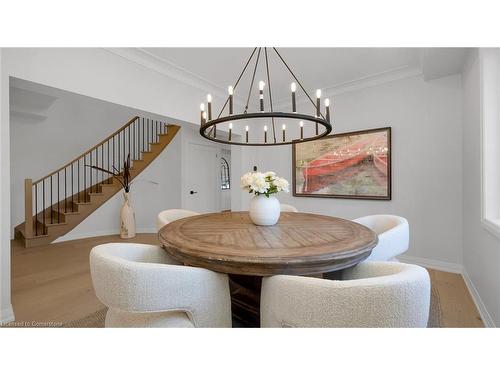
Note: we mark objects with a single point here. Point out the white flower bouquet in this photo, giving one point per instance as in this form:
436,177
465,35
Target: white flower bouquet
267,183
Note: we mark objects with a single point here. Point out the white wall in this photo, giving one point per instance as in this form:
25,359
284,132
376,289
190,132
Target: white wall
426,155
481,256
6,313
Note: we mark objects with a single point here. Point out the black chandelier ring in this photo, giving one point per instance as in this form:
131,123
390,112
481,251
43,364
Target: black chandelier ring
207,129
208,125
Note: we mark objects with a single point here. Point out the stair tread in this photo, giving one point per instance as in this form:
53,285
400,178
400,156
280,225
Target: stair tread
32,237
67,212
54,224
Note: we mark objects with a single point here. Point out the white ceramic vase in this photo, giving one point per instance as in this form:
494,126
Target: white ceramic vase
264,210
127,219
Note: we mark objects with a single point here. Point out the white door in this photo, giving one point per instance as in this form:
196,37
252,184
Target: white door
202,179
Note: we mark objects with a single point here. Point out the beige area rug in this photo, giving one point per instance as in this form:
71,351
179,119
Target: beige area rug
96,320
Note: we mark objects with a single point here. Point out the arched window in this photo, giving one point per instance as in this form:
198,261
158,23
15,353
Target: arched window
224,174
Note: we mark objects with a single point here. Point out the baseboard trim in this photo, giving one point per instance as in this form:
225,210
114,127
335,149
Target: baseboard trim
485,315
432,263
455,268
100,233
6,315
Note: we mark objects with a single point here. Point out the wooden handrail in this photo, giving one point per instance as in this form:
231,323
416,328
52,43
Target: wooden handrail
88,151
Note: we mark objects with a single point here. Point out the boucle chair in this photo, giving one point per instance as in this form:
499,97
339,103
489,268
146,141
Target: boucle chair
287,208
168,216
375,294
393,235
142,289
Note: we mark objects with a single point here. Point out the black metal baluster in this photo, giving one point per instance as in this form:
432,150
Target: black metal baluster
143,135
113,152
96,171
78,189
43,205
58,199
107,148
90,169
133,133
84,179
36,209
129,139
72,190
102,162
119,152
65,191
51,196
147,129
124,133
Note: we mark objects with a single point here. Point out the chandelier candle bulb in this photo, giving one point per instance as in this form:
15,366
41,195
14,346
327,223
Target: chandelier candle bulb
231,92
265,133
327,107
294,103
246,131
302,130
209,105
202,109
230,131
318,103
284,129
203,117
261,95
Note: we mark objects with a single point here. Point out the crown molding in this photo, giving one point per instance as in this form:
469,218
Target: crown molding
362,83
171,70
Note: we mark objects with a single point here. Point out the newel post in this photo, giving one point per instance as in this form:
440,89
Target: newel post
28,207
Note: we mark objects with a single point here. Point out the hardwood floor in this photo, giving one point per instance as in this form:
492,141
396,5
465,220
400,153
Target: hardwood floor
52,283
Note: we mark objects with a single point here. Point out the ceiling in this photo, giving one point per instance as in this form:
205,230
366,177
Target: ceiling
325,68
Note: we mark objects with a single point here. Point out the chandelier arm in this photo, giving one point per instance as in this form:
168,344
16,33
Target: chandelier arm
270,94
253,79
238,80
300,84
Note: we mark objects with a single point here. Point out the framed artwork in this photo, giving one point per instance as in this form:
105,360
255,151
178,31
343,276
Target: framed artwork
349,165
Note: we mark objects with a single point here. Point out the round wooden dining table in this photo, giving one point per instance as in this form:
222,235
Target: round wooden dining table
299,244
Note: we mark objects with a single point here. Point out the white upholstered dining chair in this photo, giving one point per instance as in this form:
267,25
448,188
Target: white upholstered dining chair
168,216
372,294
287,208
142,288
393,235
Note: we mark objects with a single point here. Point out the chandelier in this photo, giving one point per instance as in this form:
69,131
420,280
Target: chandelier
262,128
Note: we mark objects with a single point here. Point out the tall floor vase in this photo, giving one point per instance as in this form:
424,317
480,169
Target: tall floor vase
127,219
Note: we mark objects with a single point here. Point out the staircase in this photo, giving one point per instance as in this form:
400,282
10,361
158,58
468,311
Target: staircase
58,202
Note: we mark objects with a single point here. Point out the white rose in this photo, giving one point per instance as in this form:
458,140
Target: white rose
270,174
259,183
246,180
281,184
